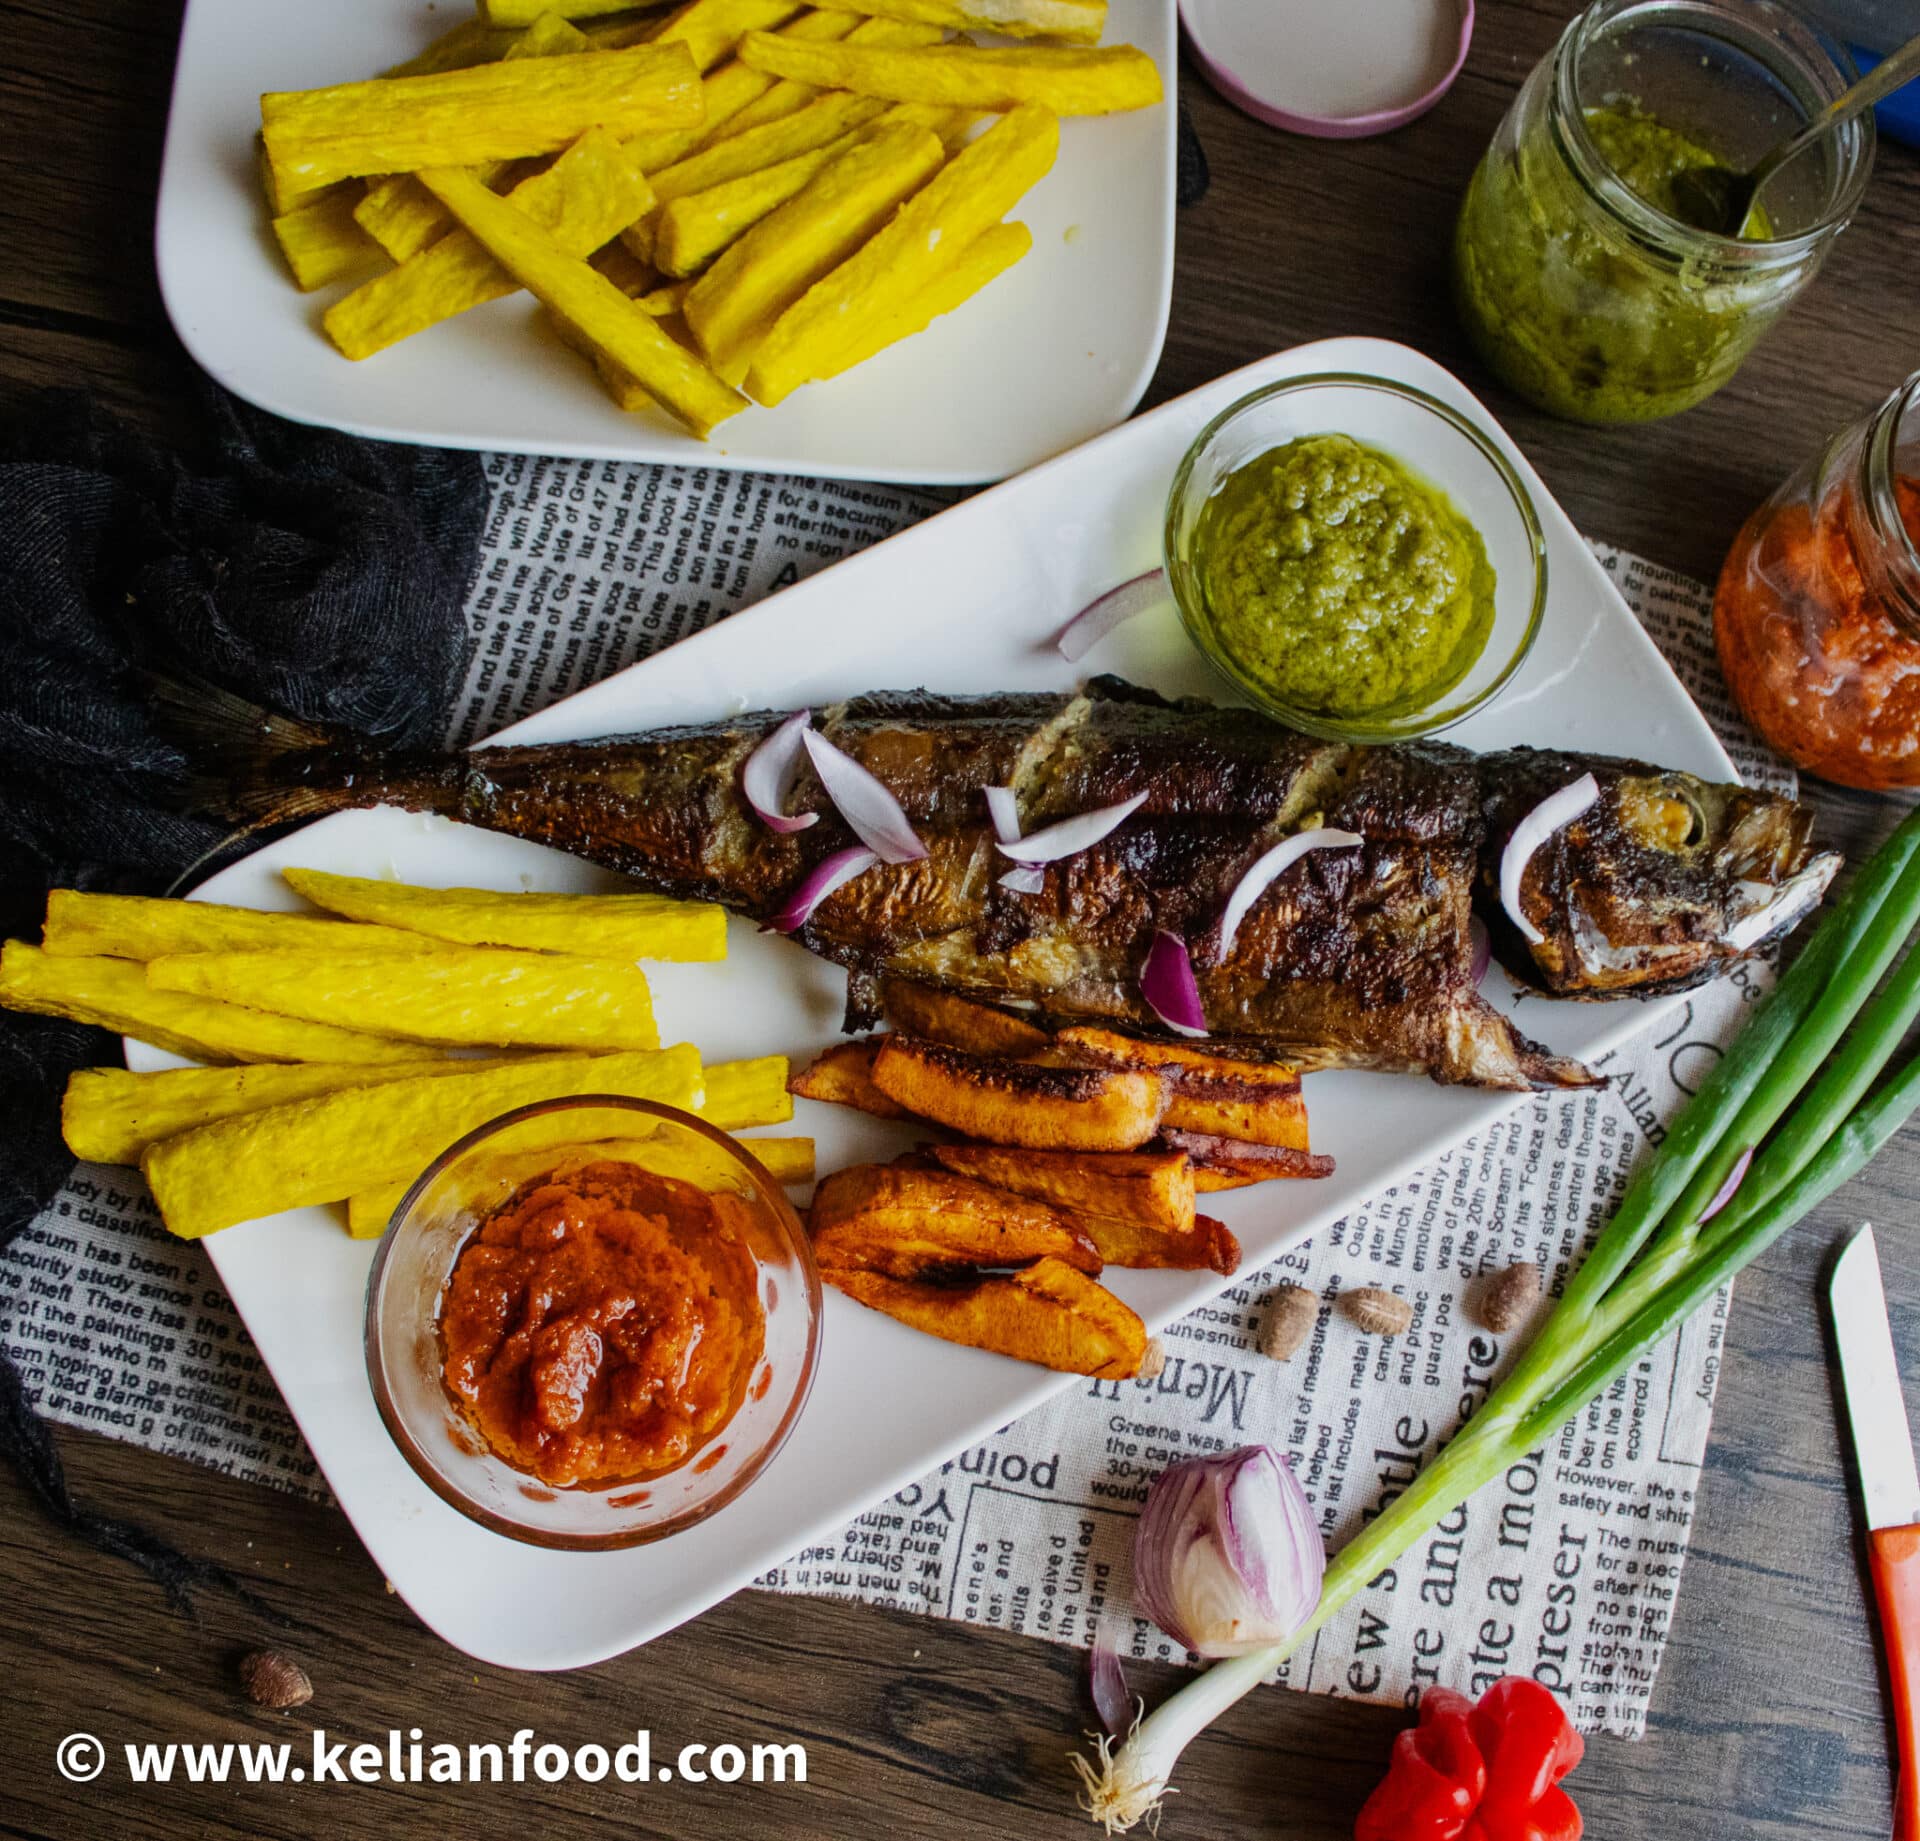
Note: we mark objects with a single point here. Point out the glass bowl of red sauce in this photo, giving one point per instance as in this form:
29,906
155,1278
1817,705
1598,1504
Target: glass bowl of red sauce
592,1323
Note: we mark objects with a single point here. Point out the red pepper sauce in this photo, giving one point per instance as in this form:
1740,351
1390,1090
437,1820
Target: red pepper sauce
601,1325
1820,667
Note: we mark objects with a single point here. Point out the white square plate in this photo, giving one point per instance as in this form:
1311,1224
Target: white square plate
967,601
1053,352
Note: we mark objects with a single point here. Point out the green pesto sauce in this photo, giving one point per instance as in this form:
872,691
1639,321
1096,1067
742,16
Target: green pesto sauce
1568,312
1339,582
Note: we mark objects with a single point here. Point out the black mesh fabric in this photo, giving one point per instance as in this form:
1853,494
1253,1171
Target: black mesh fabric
302,569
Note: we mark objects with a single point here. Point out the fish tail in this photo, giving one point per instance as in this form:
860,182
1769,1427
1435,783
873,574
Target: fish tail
257,768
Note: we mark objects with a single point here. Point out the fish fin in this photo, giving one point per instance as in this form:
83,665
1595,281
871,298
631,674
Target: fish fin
256,767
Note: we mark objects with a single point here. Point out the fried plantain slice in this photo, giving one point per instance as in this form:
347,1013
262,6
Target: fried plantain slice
1233,1163
1258,1101
1049,1313
959,1022
1136,1207
907,1220
1154,1188
843,1076
1017,1102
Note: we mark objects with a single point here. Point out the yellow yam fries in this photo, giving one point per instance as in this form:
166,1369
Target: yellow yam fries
735,305
742,1094
589,303
833,319
688,233
1077,22
459,997
731,88
1067,81
625,270
527,12
582,200
471,42
987,257
463,117
711,29
340,1144
819,124
112,1116
786,96
114,994
323,243
398,213
146,927
593,926
786,1160
663,303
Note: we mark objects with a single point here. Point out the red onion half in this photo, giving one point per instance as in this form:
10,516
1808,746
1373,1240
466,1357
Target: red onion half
869,809
767,779
1169,986
830,873
1226,1556
1256,881
1553,813
1114,608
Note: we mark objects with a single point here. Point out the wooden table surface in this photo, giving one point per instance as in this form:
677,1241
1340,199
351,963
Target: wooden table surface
1768,1720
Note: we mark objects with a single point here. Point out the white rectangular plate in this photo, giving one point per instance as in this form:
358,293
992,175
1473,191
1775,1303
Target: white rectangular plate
965,602
1053,352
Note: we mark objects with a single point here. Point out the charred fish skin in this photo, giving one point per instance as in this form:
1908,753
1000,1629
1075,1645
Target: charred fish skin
1658,887
1358,957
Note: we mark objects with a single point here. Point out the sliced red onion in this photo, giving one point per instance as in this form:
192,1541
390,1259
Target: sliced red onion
1108,1680
818,883
1169,986
1482,944
1553,813
1114,608
1255,882
1071,835
1226,1556
869,809
1730,1188
1003,807
767,779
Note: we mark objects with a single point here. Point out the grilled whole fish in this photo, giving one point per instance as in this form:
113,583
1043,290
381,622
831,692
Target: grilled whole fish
1358,957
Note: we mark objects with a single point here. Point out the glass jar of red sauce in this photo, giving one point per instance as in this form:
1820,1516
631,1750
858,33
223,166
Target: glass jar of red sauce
1817,615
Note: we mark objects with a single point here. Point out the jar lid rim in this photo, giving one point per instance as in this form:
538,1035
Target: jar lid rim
1854,139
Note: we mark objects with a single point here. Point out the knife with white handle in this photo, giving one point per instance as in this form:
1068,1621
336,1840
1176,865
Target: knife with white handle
1890,1488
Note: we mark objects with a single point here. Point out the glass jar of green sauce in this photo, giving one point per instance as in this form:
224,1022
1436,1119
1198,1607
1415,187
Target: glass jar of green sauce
1577,282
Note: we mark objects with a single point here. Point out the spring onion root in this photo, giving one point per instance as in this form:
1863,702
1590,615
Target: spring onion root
1801,1059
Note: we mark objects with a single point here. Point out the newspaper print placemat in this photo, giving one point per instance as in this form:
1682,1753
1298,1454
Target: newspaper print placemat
1567,1569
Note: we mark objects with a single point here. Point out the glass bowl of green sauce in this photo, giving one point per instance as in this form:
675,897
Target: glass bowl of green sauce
1355,557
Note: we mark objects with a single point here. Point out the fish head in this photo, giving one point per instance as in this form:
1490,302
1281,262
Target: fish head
1662,883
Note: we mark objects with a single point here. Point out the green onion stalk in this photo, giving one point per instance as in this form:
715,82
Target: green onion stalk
1799,1093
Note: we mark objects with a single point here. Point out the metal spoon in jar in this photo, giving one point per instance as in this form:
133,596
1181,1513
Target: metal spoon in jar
1720,200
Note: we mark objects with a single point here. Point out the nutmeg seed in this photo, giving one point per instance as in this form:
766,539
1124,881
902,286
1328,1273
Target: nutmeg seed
273,1680
1153,1360
1288,1322
1508,1297
1378,1312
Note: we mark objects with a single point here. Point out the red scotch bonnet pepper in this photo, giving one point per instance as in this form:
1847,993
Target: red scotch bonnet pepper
1479,1773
